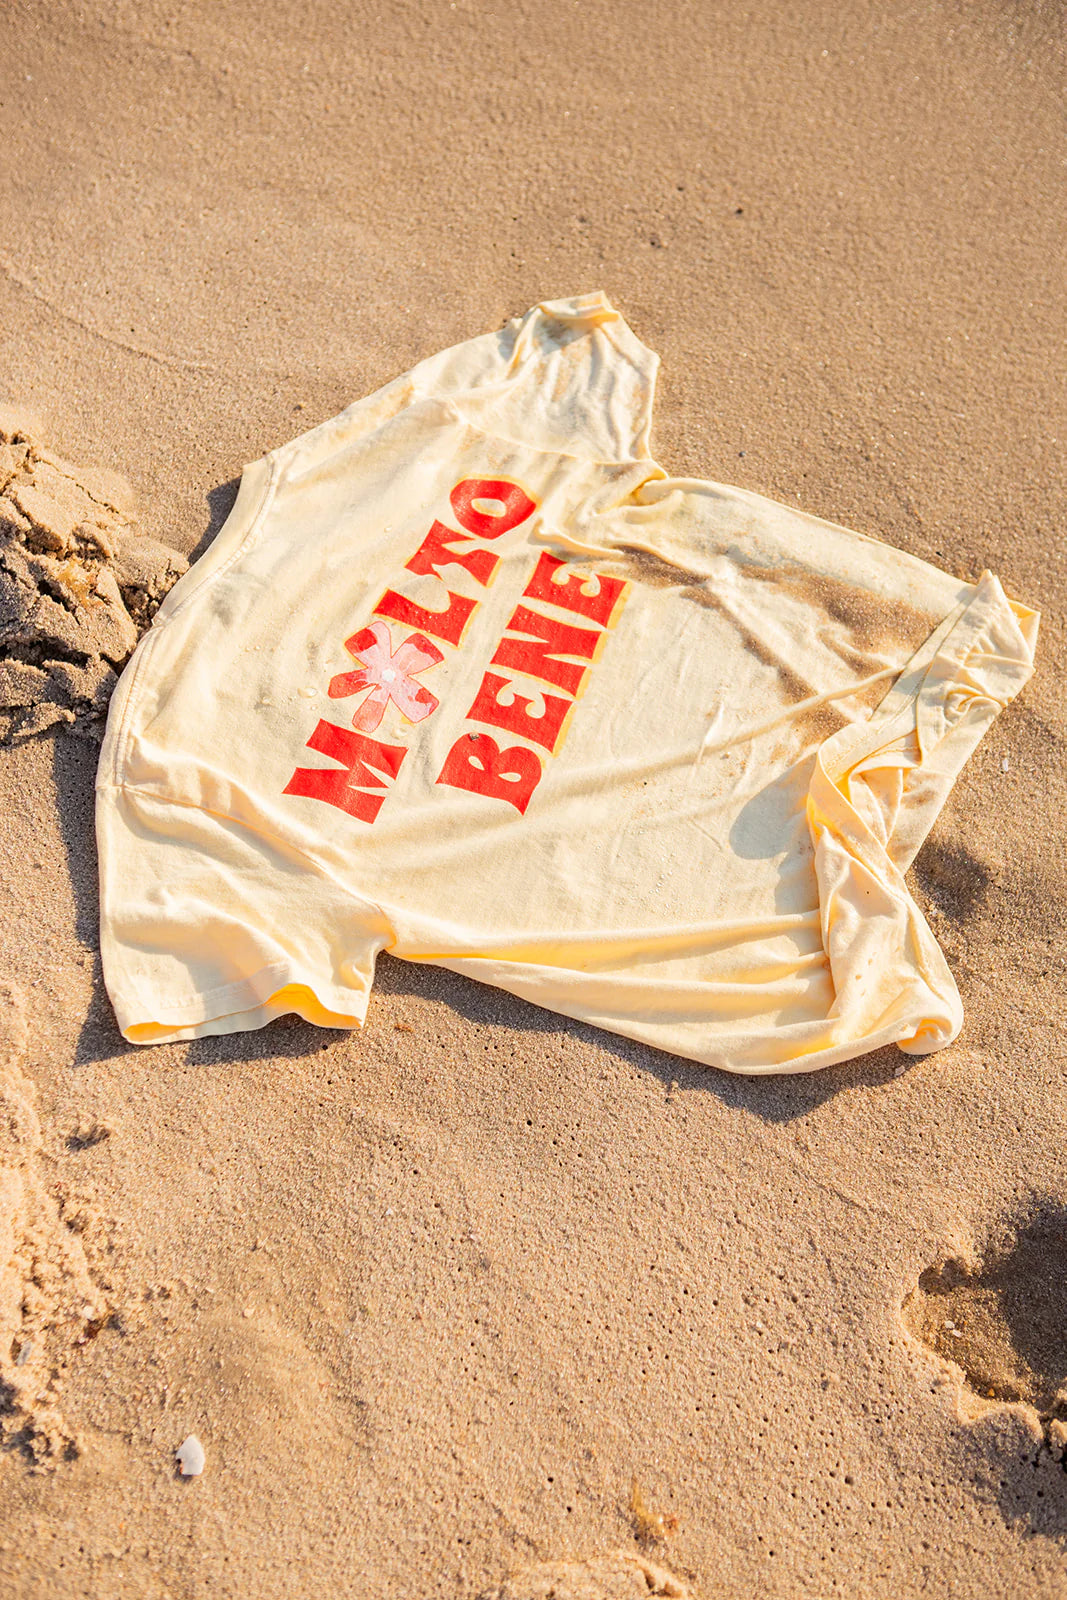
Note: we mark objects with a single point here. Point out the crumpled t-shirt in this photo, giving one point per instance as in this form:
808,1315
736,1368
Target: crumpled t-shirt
468,677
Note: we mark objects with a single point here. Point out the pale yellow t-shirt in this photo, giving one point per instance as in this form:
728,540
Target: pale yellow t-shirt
467,677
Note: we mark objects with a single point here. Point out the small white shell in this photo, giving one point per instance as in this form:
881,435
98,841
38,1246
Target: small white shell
191,1457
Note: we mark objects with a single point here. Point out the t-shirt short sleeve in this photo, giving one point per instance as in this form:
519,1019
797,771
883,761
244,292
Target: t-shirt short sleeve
208,927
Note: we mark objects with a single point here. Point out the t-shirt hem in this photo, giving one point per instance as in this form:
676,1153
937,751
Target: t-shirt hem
784,1051
239,1007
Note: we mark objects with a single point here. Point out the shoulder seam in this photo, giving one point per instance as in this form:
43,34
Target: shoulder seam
144,650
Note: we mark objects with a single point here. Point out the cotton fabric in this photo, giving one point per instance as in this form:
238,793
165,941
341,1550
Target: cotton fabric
468,677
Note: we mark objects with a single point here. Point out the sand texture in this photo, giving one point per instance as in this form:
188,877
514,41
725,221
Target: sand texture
78,586
479,1302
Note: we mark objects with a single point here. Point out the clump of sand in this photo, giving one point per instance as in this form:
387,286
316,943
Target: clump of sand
78,586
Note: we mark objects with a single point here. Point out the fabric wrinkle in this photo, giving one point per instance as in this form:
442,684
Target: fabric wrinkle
467,677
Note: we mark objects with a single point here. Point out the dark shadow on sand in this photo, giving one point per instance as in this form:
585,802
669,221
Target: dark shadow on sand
220,504
778,1099
1031,1493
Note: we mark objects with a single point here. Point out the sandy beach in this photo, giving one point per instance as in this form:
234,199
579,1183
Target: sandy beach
477,1301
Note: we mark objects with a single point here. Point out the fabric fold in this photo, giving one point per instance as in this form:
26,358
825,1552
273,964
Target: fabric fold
888,970
469,678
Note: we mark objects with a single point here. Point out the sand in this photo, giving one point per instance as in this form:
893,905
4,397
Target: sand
479,1302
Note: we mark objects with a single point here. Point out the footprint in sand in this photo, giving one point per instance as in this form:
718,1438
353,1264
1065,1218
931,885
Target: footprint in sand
78,586
48,1300
1002,1320
617,1575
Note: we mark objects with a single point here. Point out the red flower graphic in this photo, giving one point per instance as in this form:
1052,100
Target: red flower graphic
387,675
